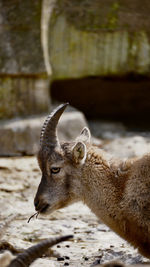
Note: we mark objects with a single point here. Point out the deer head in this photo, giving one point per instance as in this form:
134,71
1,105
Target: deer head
61,165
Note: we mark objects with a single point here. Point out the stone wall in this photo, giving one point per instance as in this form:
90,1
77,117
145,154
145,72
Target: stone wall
23,77
78,39
100,57
99,38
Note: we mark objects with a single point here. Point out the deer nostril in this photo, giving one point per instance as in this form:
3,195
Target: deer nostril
36,203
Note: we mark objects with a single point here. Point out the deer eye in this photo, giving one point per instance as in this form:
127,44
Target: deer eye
55,170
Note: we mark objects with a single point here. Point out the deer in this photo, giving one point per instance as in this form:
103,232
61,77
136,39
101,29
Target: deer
117,191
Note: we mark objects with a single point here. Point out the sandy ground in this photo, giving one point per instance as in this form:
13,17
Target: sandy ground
93,242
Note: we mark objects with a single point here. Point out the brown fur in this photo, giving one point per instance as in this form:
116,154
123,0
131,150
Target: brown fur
118,192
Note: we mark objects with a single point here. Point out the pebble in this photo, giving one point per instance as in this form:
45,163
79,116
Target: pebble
66,264
60,259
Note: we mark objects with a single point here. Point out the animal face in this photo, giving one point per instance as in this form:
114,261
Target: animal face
54,189
61,167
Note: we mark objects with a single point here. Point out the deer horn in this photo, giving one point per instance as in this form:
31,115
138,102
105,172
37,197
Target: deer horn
29,255
48,133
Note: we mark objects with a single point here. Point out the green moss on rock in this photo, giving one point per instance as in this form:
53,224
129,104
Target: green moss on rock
112,22
95,15
75,53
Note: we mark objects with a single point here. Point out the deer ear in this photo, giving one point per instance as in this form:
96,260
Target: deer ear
79,153
85,136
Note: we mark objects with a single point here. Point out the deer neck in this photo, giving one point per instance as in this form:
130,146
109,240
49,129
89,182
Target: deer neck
103,183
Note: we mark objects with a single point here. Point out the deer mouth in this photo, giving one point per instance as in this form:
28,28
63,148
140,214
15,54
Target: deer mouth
44,208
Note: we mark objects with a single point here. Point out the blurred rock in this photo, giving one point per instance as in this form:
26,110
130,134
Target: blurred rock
120,141
128,147
92,38
70,125
100,55
21,136
20,34
22,96
106,129
24,85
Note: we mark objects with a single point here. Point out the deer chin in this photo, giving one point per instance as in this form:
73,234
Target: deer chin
48,208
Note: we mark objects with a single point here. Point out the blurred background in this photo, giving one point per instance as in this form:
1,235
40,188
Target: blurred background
93,54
